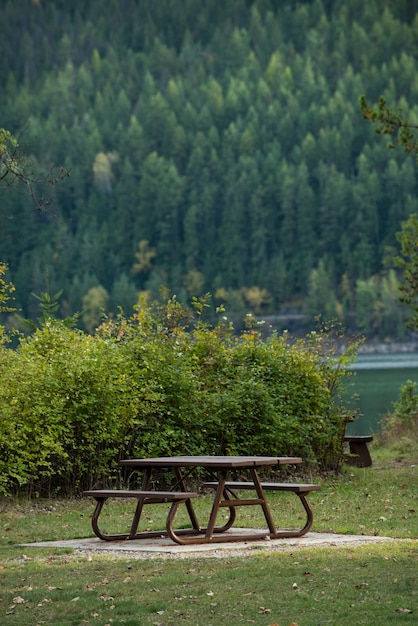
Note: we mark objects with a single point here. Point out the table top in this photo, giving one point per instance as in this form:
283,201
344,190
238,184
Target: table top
213,462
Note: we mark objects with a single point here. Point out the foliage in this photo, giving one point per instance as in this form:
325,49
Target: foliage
391,122
164,382
408,261
6,294
49,306
64,405
184,172
402,421
405,134
6,291
19,171
399,427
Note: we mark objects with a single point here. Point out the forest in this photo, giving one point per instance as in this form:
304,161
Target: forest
213,147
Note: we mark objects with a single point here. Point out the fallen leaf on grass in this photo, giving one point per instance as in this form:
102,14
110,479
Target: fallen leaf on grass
19,600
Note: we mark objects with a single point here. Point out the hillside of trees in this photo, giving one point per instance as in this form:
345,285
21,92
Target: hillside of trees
213,147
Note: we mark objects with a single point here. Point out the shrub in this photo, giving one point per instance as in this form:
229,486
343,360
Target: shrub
64,403
163,382
403,419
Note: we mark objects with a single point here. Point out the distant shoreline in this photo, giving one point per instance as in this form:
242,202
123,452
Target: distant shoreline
379,347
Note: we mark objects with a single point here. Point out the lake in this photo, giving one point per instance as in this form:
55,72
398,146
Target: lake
377,381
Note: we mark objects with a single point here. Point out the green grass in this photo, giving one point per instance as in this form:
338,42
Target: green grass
365,585
374,584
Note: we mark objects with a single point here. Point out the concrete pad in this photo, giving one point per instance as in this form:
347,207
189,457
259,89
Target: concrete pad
163,546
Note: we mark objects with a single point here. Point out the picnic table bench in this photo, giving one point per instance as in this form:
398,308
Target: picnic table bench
359,452
301,490
143,497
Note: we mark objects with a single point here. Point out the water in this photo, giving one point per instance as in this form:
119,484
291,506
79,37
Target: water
377,382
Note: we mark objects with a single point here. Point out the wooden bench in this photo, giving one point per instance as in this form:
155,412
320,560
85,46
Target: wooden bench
359,452
143,497
301,490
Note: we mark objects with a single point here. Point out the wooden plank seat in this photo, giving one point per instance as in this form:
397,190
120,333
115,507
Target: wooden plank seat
143,497
359,451
301,490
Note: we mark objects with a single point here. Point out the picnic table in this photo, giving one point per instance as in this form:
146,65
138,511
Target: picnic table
359,452
226,495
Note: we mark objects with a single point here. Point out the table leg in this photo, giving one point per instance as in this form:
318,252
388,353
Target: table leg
264,504
216,502
146,479
208,532
181,482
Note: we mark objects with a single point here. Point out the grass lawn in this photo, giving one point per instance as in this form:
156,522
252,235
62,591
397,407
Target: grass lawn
373,584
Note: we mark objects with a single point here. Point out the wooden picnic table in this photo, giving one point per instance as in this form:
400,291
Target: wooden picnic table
219,468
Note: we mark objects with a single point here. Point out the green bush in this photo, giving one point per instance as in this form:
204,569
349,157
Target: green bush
162,383
402,421
64,405
277,397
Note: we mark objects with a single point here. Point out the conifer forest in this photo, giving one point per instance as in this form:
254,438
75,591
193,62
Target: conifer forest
213,147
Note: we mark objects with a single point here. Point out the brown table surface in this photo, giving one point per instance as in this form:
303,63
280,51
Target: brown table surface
212,462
